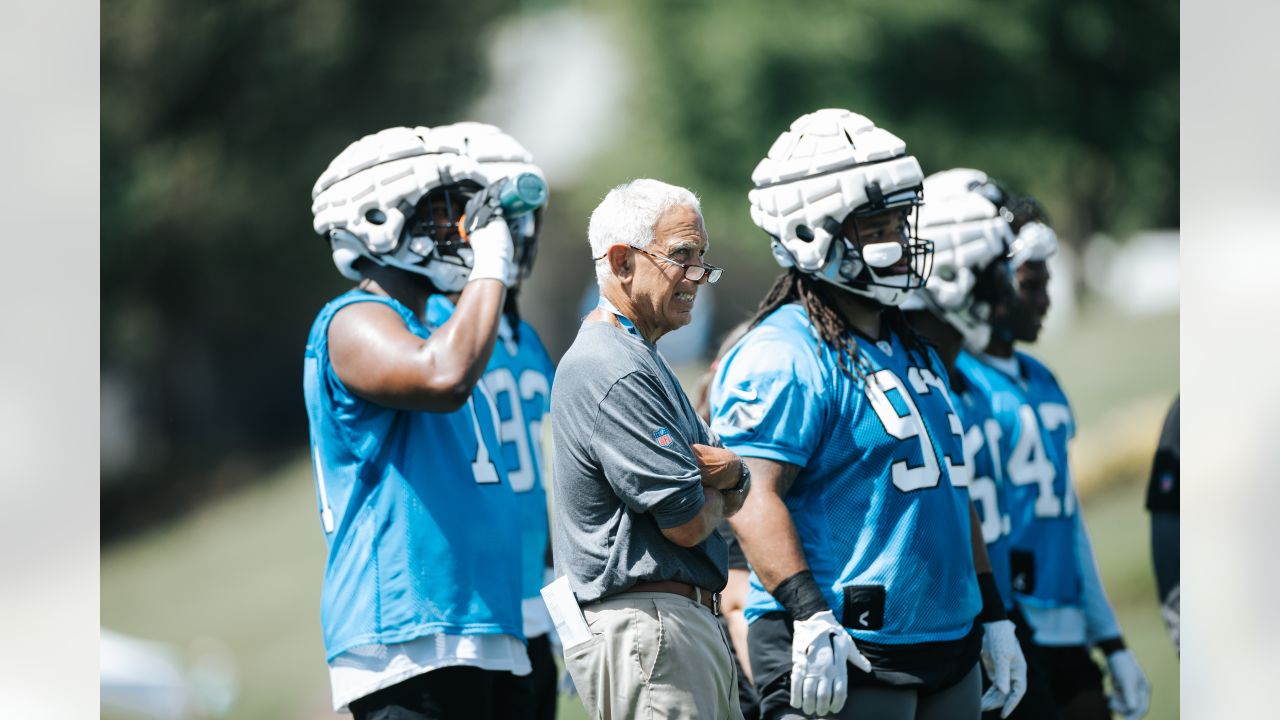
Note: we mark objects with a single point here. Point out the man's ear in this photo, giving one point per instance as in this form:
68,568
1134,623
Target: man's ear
620,261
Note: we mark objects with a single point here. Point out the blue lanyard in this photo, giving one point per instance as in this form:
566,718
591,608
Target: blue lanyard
623,320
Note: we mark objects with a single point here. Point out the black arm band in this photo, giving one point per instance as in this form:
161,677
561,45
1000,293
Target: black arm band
992,603
1110,645
799,596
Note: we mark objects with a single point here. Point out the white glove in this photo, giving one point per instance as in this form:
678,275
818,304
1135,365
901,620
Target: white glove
493,251
1002,658
1132,694
819,651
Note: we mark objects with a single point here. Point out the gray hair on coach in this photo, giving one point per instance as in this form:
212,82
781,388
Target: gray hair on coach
627,215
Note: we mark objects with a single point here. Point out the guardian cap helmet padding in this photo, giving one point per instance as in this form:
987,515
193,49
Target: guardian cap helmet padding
1034,239
382,198
830,165
971,238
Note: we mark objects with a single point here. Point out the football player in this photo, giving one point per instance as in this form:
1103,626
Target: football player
966,221
859,526
420,606
1055,579
519,380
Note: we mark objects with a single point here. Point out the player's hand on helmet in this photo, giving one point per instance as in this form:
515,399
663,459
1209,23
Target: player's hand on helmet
1132,694
493,250
820,652
1002,658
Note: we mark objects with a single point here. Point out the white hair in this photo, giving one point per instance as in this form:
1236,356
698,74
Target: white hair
627,215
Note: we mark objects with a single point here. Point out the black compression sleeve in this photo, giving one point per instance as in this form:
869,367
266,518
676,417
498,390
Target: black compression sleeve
992,603
800,596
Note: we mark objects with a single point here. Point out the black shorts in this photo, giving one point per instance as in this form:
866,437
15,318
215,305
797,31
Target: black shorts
1070,669
926,667
451,692
545,678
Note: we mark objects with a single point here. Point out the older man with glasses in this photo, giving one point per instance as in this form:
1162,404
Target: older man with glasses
640,483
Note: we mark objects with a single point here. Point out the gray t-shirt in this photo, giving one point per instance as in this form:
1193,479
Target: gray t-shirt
621,430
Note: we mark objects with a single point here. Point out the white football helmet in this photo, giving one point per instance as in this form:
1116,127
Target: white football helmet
499,156
830,164
383,198
1035,241
1034,238
966,221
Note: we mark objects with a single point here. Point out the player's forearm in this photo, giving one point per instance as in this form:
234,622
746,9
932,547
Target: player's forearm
981,560
1100,618
768,538
460,349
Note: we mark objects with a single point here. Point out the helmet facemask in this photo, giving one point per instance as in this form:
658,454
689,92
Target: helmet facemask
430,240
887,265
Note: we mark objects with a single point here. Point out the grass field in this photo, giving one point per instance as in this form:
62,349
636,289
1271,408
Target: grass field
245,570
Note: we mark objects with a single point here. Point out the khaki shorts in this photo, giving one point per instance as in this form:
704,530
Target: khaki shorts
654,655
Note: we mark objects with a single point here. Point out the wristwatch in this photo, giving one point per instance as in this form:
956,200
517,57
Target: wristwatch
744,479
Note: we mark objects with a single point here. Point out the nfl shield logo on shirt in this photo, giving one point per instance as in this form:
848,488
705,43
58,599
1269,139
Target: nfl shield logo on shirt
662,437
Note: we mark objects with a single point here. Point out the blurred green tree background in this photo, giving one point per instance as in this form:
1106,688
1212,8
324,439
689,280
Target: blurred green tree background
218,117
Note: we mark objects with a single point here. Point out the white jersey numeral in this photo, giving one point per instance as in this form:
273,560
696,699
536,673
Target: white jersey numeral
482,467
527,438
911,425
532,385
1029,464
983,491
958,468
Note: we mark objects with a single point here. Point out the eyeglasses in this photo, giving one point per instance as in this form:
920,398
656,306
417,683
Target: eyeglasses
692,271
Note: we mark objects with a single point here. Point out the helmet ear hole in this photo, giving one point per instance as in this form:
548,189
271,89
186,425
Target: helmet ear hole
375,216
804,232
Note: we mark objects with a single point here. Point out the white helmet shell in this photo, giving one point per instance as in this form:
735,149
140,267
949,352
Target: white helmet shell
828,164
499,156
1035,241
359,202
969,233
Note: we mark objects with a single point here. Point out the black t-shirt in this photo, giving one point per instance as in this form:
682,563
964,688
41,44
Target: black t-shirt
1162,492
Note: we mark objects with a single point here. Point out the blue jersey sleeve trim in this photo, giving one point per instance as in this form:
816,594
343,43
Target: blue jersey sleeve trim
763,451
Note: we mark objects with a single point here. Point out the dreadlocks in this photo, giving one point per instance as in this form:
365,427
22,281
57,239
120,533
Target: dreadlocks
829,324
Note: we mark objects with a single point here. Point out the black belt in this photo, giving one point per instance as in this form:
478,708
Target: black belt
692,592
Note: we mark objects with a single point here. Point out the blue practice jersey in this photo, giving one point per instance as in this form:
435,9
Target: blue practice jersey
1035,424
413,507
519,379
987,486
880,504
